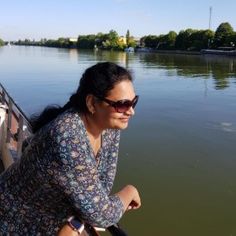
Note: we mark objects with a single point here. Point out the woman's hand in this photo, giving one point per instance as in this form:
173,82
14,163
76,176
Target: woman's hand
136,202
66,230
130,197
134,205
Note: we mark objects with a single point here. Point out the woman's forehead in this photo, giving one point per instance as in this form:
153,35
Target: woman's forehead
122,90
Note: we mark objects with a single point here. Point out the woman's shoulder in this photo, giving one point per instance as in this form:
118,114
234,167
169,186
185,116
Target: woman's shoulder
67,121
68,116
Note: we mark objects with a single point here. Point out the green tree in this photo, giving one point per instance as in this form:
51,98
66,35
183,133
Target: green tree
207,38
167,42
201,39
233,39
111,40
50,43
62,43
99,39
127,37
132,42
223,34
183,40
170,39
86,41
151,41
120,45
1,42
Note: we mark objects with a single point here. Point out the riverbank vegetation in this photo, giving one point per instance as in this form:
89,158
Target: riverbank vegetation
186,40
108,41
193,40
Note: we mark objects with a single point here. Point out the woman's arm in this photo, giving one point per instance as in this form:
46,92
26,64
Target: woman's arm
108,173
130,197
73,169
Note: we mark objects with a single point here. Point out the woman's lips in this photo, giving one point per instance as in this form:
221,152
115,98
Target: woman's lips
124,119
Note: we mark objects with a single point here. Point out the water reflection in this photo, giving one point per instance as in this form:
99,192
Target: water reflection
221,69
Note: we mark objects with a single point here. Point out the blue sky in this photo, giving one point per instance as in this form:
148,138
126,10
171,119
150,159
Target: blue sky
36,19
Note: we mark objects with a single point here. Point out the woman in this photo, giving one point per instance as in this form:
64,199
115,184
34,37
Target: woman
69,166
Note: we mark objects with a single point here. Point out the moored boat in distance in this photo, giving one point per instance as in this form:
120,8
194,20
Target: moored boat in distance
227,51
129,49
143,49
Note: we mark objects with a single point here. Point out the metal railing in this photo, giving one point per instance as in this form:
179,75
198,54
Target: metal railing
14,128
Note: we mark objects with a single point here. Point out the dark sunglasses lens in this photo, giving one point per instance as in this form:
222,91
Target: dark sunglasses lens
123,107
135,101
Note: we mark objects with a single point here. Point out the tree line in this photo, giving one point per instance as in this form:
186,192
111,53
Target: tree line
193,40
189,39
110,40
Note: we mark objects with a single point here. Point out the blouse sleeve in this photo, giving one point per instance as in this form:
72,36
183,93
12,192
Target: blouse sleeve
74,171
109,172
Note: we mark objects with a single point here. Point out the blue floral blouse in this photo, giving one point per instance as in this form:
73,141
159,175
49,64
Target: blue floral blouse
59,176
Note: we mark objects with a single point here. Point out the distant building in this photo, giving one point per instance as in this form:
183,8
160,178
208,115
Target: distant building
122,39
73,40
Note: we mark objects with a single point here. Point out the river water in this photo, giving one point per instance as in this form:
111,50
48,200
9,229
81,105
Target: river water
180,147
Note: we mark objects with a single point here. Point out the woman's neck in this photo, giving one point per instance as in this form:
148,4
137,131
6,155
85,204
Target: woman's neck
94,133
91,126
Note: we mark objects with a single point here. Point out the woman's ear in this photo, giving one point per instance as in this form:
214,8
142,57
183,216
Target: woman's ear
90,100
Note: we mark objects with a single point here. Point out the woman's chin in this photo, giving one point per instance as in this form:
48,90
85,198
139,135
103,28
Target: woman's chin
119,124
122,125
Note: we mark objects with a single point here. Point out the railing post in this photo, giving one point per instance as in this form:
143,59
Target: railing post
3,101
9,120
20,135
2,126
12,117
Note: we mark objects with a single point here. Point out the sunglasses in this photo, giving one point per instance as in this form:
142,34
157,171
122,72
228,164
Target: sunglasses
122,106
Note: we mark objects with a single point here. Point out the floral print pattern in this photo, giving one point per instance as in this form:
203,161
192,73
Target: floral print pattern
59,176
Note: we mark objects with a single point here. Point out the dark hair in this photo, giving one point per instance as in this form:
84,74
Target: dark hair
97,80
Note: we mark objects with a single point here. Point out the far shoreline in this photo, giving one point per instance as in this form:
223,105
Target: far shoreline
204,52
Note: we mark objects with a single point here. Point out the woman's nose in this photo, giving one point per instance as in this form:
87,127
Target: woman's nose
130,111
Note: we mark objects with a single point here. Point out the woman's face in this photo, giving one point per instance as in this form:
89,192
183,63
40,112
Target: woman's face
106,116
